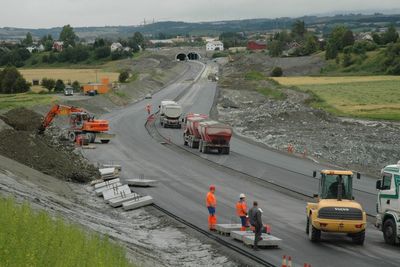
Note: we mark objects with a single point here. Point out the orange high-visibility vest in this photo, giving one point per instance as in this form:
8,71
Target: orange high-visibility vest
211,201
241,208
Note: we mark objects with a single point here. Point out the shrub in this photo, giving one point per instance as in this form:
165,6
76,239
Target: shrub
11,81
59,86
277,72
76,85
48,84
123,76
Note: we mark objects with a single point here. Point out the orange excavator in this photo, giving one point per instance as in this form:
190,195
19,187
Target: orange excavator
81,124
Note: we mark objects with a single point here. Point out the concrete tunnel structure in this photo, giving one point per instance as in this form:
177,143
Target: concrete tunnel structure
189,56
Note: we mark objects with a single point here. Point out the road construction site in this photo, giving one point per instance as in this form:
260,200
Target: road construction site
175,230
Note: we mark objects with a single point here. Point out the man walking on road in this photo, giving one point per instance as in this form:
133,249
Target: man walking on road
211,203
241,211
148,109
255,215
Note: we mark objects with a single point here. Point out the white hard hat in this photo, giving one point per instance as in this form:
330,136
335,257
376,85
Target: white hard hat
242,195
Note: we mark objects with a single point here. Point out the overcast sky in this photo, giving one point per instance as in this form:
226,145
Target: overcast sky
53,13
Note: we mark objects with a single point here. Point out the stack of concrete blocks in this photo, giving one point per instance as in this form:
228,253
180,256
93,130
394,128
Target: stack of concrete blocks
247,237
109,173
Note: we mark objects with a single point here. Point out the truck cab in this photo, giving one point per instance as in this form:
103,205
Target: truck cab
170,113
388,204
335,209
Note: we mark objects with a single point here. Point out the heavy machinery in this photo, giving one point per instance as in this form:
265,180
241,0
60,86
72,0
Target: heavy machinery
336,210
388,204
81,124
214,136
170,113
191,134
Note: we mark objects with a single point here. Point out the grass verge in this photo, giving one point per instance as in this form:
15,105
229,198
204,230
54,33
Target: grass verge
10,101
29,238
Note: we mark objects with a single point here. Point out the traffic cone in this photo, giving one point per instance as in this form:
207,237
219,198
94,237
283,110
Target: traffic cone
284,261
289,264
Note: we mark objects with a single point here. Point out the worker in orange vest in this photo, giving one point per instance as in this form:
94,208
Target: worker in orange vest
211,203
148,108
241,211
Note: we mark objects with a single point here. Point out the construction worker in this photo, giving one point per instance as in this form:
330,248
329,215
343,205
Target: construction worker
241,211
211,203
148,108
255,214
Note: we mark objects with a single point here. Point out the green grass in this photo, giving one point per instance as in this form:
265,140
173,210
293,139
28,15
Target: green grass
254,76
10,101
272,93
29,238
372,99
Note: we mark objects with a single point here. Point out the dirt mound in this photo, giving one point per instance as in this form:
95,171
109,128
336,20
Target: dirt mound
22,119
42,152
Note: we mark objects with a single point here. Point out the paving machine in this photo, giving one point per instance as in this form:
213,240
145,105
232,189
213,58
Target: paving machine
81,123
336,211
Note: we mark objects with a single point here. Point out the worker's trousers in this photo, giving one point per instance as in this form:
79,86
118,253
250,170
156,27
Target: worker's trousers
243,220
257,234
212,218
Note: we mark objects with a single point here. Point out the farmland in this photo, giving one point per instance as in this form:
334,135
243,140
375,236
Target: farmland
371,97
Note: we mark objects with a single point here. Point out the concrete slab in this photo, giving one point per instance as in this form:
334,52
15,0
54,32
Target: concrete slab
115,166
118,201
140,182
109,177
99,191
116,192
137,203
225,229
267,241
113,181
238,235
107,171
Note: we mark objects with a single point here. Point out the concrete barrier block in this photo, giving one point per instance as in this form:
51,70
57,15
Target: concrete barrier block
99,191
137,203
113,181
238,235
140,182
267,241
118,201
116,192
226,229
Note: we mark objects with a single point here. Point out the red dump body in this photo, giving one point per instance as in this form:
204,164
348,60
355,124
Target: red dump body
215,132
192,123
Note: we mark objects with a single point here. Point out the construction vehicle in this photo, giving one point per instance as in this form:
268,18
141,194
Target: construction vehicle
388,204
170,113
336,211
191,135
82,124
214,136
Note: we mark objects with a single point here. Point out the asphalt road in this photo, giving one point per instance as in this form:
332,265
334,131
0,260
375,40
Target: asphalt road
184,179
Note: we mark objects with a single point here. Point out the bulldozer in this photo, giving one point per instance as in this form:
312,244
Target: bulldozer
81,124
335,210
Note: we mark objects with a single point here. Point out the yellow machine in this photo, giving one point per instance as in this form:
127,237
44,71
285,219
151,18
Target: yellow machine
335,210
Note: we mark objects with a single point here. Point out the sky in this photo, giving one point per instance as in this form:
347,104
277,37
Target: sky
77,13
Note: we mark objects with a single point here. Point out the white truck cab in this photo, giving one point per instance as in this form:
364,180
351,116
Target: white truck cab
388,203
170,113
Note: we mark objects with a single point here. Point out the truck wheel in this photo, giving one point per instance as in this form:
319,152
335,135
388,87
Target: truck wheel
227,150
359,238
185,143
221,150
201,146
91,137
307,226
313,233
105,141
72,136
389,231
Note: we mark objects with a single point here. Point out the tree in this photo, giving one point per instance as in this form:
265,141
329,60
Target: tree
275,48
391,35
139,39
299,29
347,39
102,52
68,36
59,86
47,42
377,38
28,39
123,76
99,42
76,85
11,81
48,84
331,51
347,60
311,45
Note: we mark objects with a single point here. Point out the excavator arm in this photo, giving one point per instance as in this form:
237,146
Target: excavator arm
54,111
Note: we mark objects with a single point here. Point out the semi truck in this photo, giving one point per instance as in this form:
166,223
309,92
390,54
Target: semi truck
214,136
191,134
335,210
170,114
388,204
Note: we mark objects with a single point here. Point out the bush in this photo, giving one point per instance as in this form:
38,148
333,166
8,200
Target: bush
277,72
11,81
123,76
102,52
76,85
59,86
49,84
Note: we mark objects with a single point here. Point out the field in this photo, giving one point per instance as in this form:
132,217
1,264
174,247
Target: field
372,97
9,101
29,238
69,75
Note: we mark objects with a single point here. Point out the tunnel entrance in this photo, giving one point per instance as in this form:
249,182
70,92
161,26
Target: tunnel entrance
181,57
193,56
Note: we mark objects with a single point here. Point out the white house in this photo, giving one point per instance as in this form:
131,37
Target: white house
116,46
215,46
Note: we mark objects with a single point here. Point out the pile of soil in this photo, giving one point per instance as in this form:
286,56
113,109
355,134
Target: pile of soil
42,152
